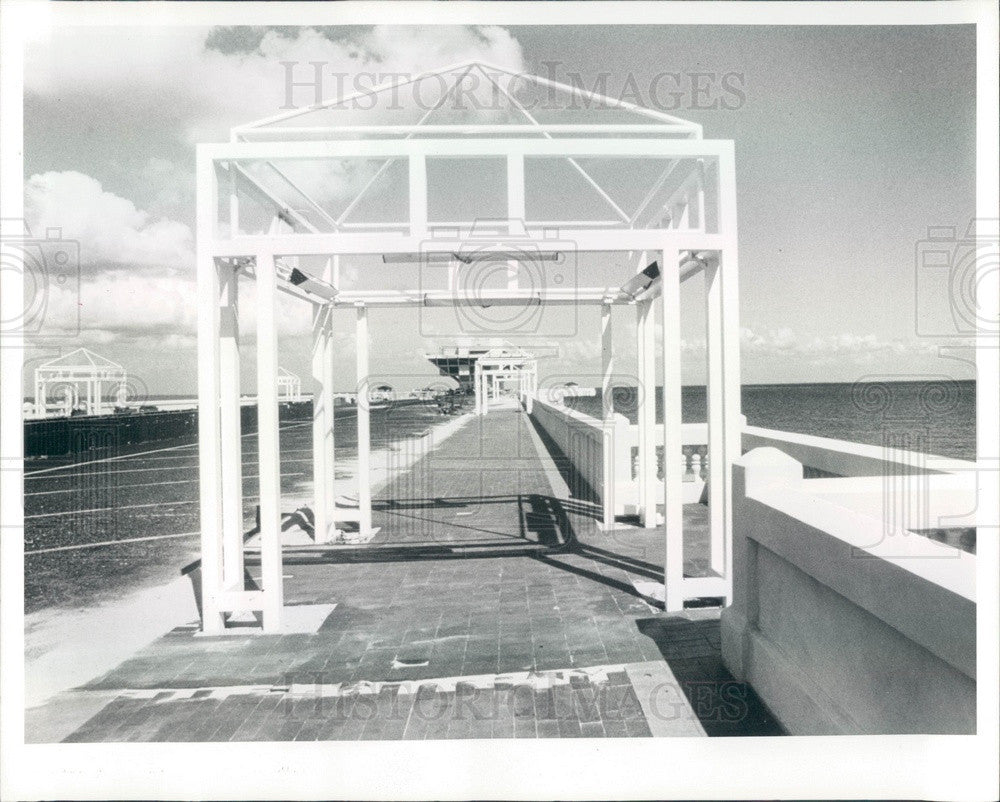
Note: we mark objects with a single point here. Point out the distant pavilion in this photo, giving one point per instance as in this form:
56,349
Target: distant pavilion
80,377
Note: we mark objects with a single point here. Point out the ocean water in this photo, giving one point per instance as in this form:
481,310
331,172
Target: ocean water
934,417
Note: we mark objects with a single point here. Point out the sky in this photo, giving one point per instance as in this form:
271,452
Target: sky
850,143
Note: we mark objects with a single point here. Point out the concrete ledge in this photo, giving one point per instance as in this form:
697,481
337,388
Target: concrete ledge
845,458
840,626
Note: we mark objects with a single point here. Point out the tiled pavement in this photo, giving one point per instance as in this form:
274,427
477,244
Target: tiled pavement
477,572
572,705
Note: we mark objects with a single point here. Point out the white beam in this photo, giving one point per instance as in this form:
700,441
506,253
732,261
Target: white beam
285,134
268,446
381,243
384,167
673,471
578,91
621,147
573,162
393,83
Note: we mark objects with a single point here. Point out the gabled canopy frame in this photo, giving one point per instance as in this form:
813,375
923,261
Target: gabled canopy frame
289,386
684,220
79,369
501,366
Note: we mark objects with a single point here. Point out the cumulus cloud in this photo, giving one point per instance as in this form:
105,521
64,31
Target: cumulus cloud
110,229
843,346
161,310
180,68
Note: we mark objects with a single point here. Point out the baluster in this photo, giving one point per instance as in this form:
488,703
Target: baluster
696,463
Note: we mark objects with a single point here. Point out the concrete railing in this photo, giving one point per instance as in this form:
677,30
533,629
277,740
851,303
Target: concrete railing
581,440
840,621
843,458
693,456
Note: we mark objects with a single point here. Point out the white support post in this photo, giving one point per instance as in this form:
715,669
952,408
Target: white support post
648,444
699,198
268,446
209,443
418,195
319,402
234,201
231,430
607,363
715,392
515,209
642,391
39,397
728,275
364,425
673,471
98,391
323,428
477,381
330,452
607,415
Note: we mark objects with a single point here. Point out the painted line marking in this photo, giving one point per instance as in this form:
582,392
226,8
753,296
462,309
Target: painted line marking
194,457
110,543
144,470
143,484
151,451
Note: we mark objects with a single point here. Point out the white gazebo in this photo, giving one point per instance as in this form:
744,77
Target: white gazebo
289,386
626,183
78,370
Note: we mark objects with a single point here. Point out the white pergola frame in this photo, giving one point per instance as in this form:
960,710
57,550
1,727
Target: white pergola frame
93,377
493,369
670,228
289,386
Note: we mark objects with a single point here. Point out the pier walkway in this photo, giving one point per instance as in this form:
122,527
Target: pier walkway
489,604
